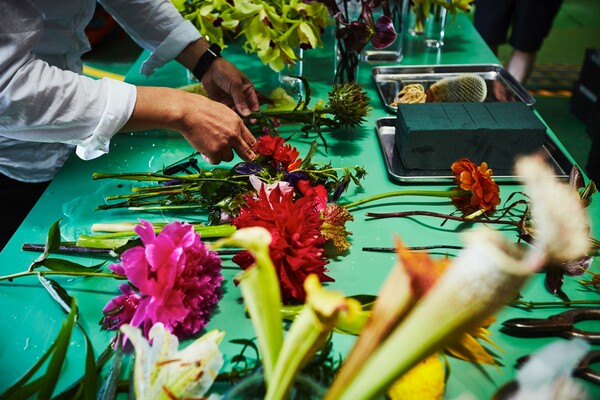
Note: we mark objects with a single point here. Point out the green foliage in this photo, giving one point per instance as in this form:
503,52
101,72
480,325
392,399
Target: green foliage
220,190
272,29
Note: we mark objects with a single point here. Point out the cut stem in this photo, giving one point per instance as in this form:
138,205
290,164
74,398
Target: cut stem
428,193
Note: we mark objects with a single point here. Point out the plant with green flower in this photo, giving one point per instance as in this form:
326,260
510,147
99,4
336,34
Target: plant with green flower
423,9
273,29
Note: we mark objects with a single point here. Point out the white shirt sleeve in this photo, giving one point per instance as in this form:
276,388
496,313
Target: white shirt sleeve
42,103
156,25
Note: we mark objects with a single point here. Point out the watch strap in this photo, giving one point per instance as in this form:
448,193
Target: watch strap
206,60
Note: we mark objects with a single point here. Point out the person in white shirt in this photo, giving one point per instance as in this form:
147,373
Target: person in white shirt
48,109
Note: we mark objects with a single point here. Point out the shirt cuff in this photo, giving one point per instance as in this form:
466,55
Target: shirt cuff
171,47
119,107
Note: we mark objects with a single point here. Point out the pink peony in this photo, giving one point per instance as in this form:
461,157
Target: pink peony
176,277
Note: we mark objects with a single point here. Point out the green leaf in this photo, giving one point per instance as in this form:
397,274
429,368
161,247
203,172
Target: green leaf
52,245
53,238
109,387
60,265
28,390
308,158
58,356
90,381
57,292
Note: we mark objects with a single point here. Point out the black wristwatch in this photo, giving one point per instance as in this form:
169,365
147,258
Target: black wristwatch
206,60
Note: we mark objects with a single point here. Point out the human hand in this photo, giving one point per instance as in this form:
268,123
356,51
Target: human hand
228,85
210,127
215,130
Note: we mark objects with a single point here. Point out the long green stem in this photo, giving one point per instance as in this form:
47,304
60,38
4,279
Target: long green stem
429,193
26,273
440,215
570,303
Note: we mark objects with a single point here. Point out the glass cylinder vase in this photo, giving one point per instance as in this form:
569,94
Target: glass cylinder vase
413,22
345,63
434,27
288,75
397,11
253,388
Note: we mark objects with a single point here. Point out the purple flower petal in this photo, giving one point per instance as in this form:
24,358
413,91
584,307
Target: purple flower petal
577,267
385,34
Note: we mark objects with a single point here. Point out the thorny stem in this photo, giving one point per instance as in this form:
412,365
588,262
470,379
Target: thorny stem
417,192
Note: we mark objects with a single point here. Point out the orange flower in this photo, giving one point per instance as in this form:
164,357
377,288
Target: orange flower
485,193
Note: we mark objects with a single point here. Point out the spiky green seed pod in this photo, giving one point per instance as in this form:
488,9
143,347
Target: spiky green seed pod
349,104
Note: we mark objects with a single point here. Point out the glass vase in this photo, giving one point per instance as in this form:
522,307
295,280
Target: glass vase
434,27
253,388
397,11
288,75
345,63
415,16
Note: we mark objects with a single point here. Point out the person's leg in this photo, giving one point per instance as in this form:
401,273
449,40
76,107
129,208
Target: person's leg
521,64
532,23
16,200
492,19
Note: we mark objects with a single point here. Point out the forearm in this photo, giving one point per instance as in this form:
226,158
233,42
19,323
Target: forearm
192,53
157,108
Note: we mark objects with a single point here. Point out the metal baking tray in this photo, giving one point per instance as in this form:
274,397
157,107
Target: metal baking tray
390,80
386,133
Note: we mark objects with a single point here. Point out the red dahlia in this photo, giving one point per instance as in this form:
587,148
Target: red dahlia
296,247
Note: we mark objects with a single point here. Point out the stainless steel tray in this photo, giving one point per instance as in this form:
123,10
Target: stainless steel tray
386,133
390,80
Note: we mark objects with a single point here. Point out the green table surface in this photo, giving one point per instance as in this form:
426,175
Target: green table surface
30,319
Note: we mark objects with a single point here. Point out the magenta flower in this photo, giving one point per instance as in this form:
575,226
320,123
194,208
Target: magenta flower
120,310
177,280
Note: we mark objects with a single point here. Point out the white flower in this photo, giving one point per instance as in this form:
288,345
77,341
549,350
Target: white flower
257,184
561,224
164,372
547,374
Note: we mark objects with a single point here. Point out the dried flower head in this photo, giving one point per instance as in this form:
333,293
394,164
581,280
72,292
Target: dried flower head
349,104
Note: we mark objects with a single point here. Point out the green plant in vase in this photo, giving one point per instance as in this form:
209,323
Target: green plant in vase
423,9
273,29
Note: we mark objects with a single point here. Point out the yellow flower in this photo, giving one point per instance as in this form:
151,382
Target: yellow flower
426,381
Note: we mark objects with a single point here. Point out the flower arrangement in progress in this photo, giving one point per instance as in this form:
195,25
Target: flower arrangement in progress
273,29
173,286
294,199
